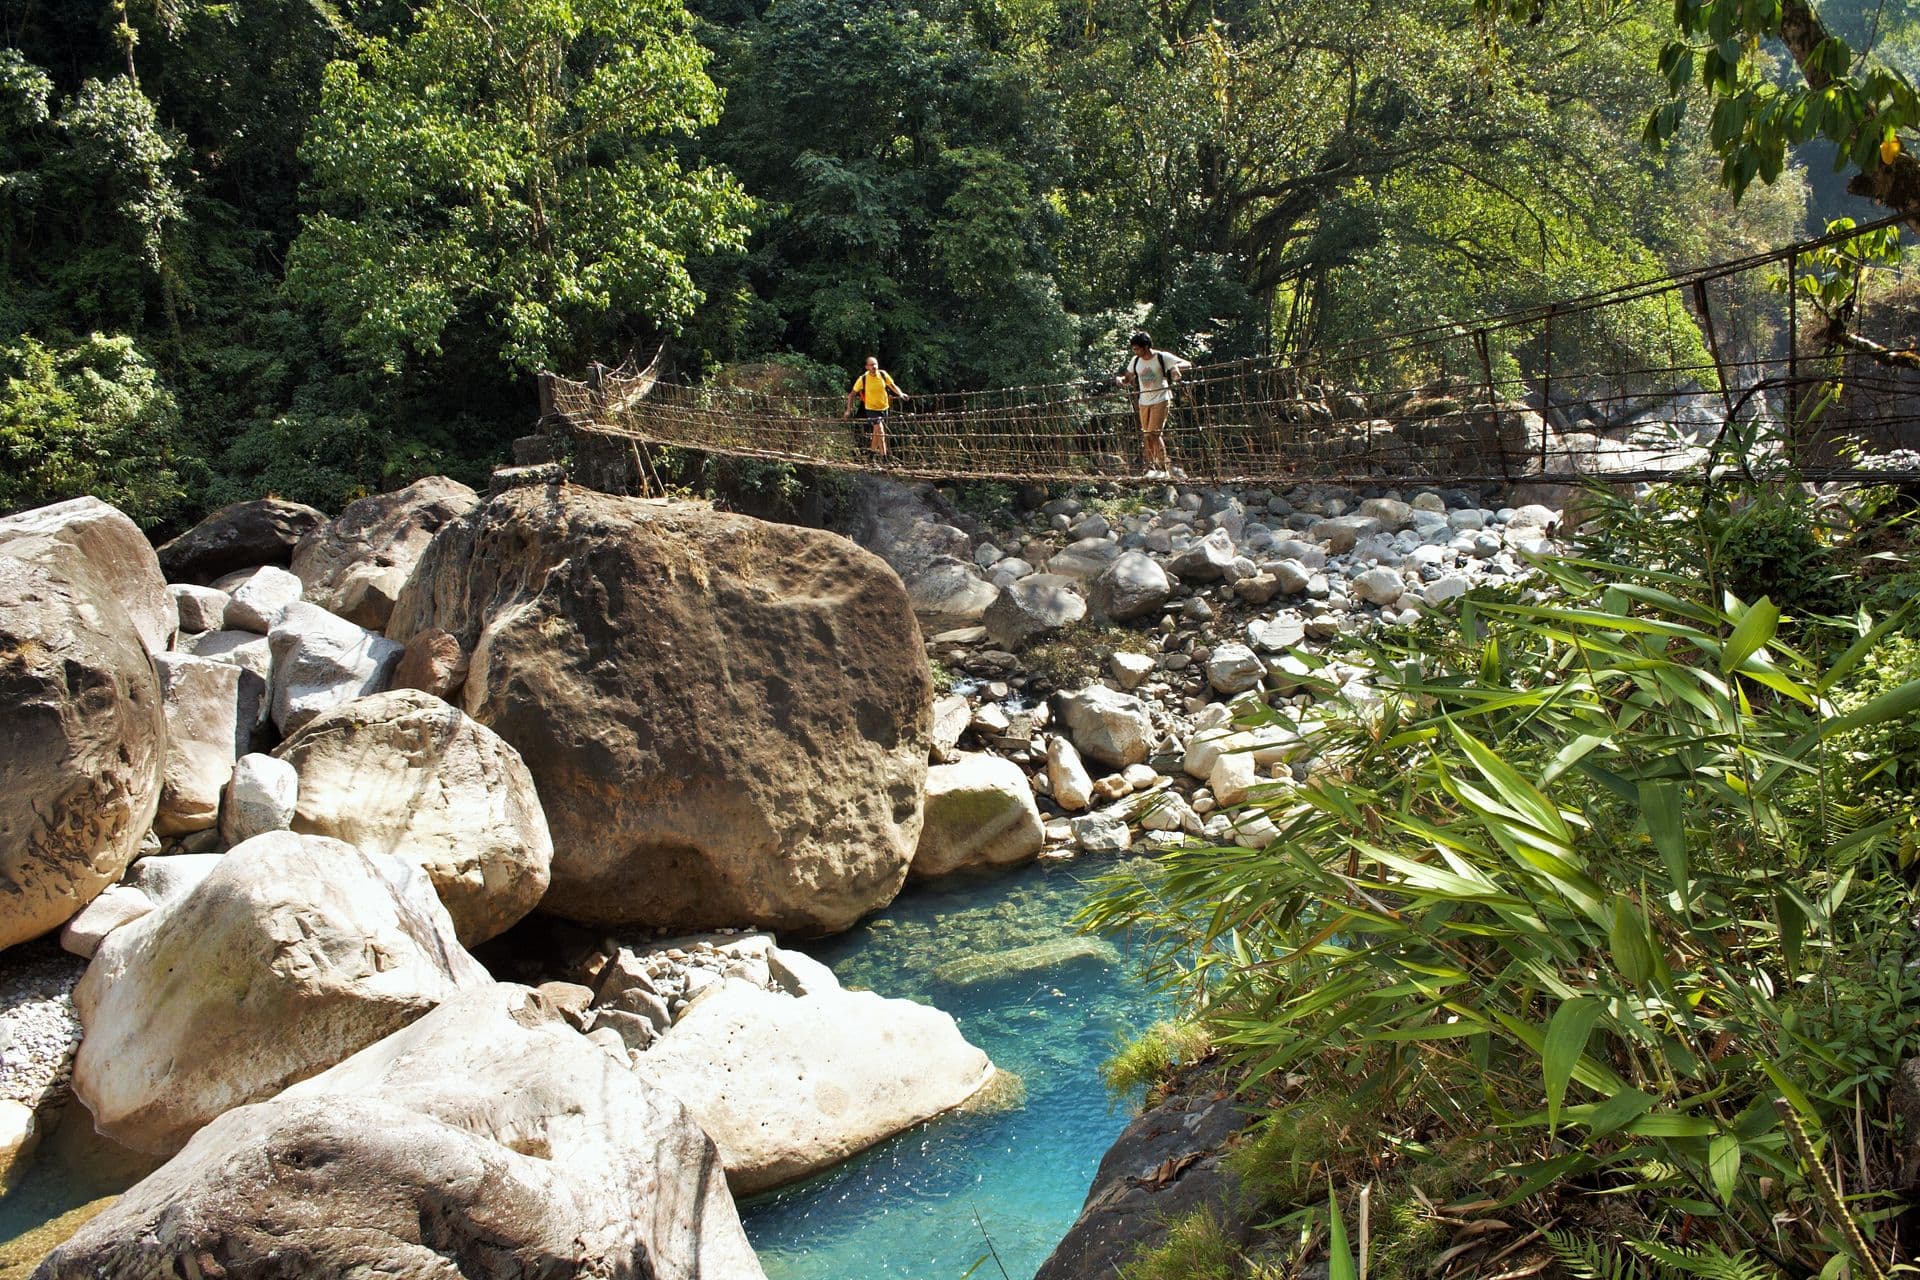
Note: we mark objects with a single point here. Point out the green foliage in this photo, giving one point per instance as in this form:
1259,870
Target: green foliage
1597,885
1751,540
499,164
90,419
1195,1248
1145,1061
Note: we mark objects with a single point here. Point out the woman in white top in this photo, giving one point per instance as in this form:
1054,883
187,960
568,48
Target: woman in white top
1153,373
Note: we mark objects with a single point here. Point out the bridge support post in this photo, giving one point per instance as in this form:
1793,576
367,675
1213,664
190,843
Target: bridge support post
1546,390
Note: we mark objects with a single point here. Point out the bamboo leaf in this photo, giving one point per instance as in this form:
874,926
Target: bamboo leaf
1661,808
1566,1044
1340,1264
1723,1165
1752,631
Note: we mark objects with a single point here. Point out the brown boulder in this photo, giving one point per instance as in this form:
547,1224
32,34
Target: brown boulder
82,733
433,663
356,565
239,536
120,556
727,721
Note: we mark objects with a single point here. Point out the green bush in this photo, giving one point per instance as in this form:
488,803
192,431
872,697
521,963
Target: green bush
91,418
1145,1061
1594,886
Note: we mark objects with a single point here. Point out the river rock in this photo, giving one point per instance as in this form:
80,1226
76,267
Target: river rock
1393,514
1084,559
1130,670
907,526
320,661
120,556
403,773
726,720
486,1139
1103,832
1342,533
239,536
199,608
1233,668
356,564
1207,560
1112,728
258,598
433,663
1034,607
206,733
117,904
260,799
1133,586
980,813
951,717
1379,586
253,654
82,730
294,953
1067,779
841,1070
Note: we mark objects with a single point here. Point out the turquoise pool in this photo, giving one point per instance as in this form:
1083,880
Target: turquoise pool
999,955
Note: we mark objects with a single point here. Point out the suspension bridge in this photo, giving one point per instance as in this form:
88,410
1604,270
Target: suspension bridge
1635,383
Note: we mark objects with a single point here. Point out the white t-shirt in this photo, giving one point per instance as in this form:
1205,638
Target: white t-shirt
1153,383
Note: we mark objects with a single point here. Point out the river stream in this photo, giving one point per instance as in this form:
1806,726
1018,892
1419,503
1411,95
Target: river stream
1000,956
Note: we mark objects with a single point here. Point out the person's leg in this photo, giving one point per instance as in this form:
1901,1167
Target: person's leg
877,442
1153,418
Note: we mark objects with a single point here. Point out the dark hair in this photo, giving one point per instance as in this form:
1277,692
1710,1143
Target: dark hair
1141,338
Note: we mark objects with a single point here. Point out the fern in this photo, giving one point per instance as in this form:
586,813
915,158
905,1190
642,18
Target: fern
1587,1259
1706,1260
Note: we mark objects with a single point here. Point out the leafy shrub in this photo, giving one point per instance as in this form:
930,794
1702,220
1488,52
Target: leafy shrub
88,419
1586,887
1195,1248
1146,1060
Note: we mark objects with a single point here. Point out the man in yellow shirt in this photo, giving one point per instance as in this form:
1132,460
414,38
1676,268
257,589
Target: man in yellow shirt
869,396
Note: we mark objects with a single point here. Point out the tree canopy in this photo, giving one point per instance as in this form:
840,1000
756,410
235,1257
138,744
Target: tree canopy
337,236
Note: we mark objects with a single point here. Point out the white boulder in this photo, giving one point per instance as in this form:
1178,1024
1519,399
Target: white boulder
980,813
320,661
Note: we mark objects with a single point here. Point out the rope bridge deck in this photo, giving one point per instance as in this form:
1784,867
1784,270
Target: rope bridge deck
1548,394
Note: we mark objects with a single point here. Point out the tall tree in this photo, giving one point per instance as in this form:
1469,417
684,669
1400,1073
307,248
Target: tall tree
508,167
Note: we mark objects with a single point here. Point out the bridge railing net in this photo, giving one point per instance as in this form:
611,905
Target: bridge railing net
1552,393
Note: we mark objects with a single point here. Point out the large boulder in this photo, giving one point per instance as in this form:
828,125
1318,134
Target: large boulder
789,1084
486,1139
1035,607
82,732
727,720
295,952
980,814
258,598
120,556
1085,559
320,661
402,773
260,797
1132,586
239,536
1113,728
207,730
356,565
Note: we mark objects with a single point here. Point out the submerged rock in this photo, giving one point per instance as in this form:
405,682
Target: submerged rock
1017,962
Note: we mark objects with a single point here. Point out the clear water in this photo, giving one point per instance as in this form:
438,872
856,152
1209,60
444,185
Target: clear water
908,1207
